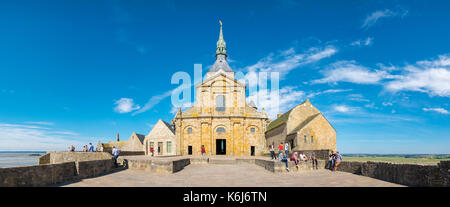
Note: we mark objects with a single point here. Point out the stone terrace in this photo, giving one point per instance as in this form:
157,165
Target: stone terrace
221,171
219,175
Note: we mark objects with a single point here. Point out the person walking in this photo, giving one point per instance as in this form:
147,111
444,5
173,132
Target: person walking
286,149
115,153
152,150
203,152
91,147
338,159
314,160
272,152
280,150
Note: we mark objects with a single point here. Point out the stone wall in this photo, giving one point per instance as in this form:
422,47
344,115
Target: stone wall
51,174
37,175
94,167
405,174
158,166
444,172
61,157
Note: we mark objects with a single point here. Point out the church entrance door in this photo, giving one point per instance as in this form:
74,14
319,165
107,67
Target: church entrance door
221,146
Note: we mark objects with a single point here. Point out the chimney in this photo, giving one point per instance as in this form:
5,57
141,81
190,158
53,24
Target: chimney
278,115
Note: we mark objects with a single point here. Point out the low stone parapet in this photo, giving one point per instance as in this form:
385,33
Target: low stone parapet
61,157
51,174
405,174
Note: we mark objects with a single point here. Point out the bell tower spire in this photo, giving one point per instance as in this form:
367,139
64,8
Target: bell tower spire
221,45
221,55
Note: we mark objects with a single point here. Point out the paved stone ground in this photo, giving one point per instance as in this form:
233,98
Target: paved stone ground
206,175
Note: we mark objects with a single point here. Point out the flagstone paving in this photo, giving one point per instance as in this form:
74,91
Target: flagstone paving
208,175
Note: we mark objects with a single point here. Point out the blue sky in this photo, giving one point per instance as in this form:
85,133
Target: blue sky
74,72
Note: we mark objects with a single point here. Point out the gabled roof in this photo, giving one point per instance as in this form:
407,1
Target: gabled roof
282,119
141,137
304,123
279,121
168,126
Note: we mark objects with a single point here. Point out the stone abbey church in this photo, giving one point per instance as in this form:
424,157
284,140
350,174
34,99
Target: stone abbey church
223,122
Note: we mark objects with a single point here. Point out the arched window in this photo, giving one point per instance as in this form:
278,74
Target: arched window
189,130
220,103
220,130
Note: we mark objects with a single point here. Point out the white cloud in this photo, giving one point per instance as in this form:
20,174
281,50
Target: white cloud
439,110
344,108
125,105
367,42
327,91
432,77
273,104
349,71
35,137
40,123
387,104
374,17
289,59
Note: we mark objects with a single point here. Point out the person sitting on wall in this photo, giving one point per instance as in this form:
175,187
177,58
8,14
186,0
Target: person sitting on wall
331,160
115,153
303,157
314,160
295,159
338,159
283,158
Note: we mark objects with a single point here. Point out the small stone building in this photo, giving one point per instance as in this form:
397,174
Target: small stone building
134,145
162,138
305,129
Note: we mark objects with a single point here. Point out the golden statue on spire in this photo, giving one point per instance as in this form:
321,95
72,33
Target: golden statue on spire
220,22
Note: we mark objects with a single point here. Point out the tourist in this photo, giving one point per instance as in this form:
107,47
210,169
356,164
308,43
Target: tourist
69,149
338,159
314,160
151,150
280,150
284,159
295,159
72,149
115,153
286,149
101,148
272,152
84,148
331,159
303,157
91,147
203,152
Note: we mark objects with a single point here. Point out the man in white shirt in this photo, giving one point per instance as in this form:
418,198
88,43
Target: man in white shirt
286,149
302,157
115,153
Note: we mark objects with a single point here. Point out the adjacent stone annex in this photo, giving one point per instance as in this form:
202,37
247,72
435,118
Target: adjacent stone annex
305,129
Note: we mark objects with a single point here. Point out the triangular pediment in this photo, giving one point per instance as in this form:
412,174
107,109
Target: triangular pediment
220,76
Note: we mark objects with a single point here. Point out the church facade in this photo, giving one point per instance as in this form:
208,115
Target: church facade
221,120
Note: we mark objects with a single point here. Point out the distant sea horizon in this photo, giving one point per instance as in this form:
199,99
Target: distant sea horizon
16,158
